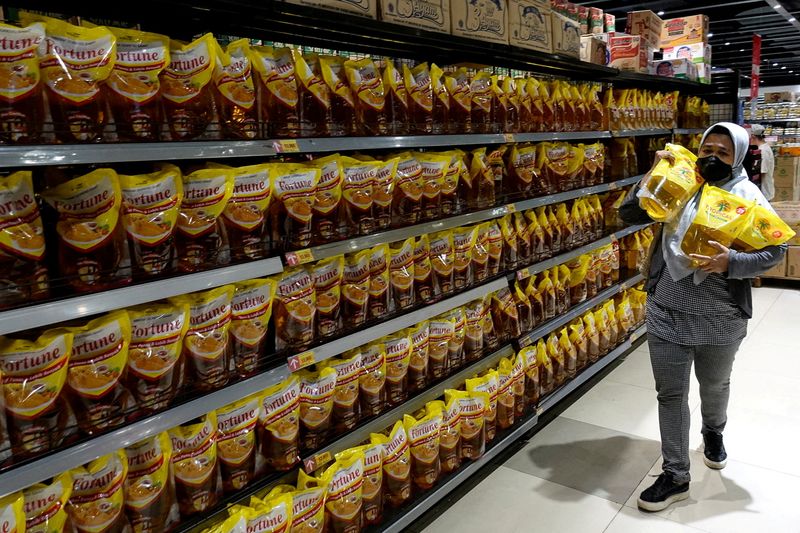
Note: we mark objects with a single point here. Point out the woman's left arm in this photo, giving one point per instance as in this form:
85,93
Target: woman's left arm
743,265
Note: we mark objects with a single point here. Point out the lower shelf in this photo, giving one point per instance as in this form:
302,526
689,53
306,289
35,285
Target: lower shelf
408,516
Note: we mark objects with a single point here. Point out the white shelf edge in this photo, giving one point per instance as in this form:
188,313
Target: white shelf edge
359,243
48,313
391,416
441,491
51,465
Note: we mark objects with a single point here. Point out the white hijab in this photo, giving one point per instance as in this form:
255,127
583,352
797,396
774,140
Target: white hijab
679,265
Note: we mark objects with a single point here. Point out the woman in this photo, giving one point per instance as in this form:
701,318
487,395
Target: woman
697,315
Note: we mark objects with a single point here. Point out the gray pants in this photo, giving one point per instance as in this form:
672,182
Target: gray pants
672,367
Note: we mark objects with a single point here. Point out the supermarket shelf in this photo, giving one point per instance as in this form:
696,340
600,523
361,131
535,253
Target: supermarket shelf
74,154
688,131
770,120
90,304
358,435
577,310
359,243
53,464
577,252
561,136
550,401
361,337
439,492
640,133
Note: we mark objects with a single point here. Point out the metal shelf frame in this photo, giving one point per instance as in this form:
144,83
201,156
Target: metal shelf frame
641,133
359,243
47,313
688,131
439,492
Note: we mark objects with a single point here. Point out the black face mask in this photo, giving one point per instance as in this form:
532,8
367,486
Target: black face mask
713,169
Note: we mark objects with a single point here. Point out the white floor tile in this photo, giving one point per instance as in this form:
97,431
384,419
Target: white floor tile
763,299
770,358
634,521
740,498
779,325
509,501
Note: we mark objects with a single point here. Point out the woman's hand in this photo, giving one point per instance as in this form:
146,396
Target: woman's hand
664,154
715,264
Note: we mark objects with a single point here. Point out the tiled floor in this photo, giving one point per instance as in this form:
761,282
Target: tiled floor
585,470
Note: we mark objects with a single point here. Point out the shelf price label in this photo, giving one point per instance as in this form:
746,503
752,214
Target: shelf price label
523,274
300,257
286,146
508,137
300,361
511,208
321,459
525,341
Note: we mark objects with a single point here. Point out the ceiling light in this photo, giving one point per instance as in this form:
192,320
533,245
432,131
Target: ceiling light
660,13
710,35
792,19
741,49
728,43
777,6
783,68
791,72
774,64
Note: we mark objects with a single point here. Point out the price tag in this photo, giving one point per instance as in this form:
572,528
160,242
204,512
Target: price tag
286,146
523,274
509,137
613,186
525,341
301,360
321,459
300,257
539,411
511,208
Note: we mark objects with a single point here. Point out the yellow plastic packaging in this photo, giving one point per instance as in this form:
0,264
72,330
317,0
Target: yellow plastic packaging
721,216
668,187
12,514
490,384
765,229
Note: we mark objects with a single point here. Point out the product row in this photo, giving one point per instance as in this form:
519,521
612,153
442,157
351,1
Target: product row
73,84
102,229
184,472
70,382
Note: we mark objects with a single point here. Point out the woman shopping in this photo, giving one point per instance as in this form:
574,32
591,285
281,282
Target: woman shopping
697,312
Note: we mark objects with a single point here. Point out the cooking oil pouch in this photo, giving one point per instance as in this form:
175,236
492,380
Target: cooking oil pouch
195,467
245,215
420,98
150,501
489,383
474,409
409,185
766,229
524,311
537,302
308,504
314,96
398,358
547,377
547,290
373,379
464,240
449,434
372,489
603,325
346,398
344,109
442,330
396,464
277,91
22,119
570,353
721,216
669,187
369,94
531,368
418,365
611,314
556,229
434,170
423,439
327,201
345,499
506,409
442,254
557,357
578,280
12,513
460,91
624,316
38,414
294,190
359,182
279,426
481,193
235,91
271,515
423,271
383,192
496,248
504,315
46,505
235,523
355,289
567,226
580,341
316,406
510,248
455,350
98,364
236,443
401,271
397,101
97,500
295,309
480,254
251,311
441,101
592,336
450,204
379,281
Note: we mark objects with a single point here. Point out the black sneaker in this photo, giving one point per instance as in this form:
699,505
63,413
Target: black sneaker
663,493
714,455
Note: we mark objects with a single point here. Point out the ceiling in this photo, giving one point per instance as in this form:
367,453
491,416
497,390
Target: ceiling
733,25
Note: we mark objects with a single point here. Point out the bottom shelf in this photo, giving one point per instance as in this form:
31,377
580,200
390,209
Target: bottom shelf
407,516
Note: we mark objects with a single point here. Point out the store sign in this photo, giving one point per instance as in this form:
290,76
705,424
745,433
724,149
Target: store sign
755,75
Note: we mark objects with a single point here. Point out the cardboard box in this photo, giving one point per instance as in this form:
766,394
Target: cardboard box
596,20
425,14
786,194
365,8
566,36
778,271
685,30
674,68
645,24
697,52
583,19
630,53
790,213
783,96
786,172
704,73
610,22
530,25
793,262
594,50
469,18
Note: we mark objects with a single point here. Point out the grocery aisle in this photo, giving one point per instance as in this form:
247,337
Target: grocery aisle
584,471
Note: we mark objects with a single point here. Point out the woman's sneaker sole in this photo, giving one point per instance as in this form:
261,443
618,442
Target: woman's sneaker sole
660,506
713,464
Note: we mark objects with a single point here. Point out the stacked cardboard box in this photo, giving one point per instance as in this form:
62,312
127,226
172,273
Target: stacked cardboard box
688,32
530,25
594,50
566,35
674,68
630,52
698,53
787,179
485,22
431,15
645,24
365,8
